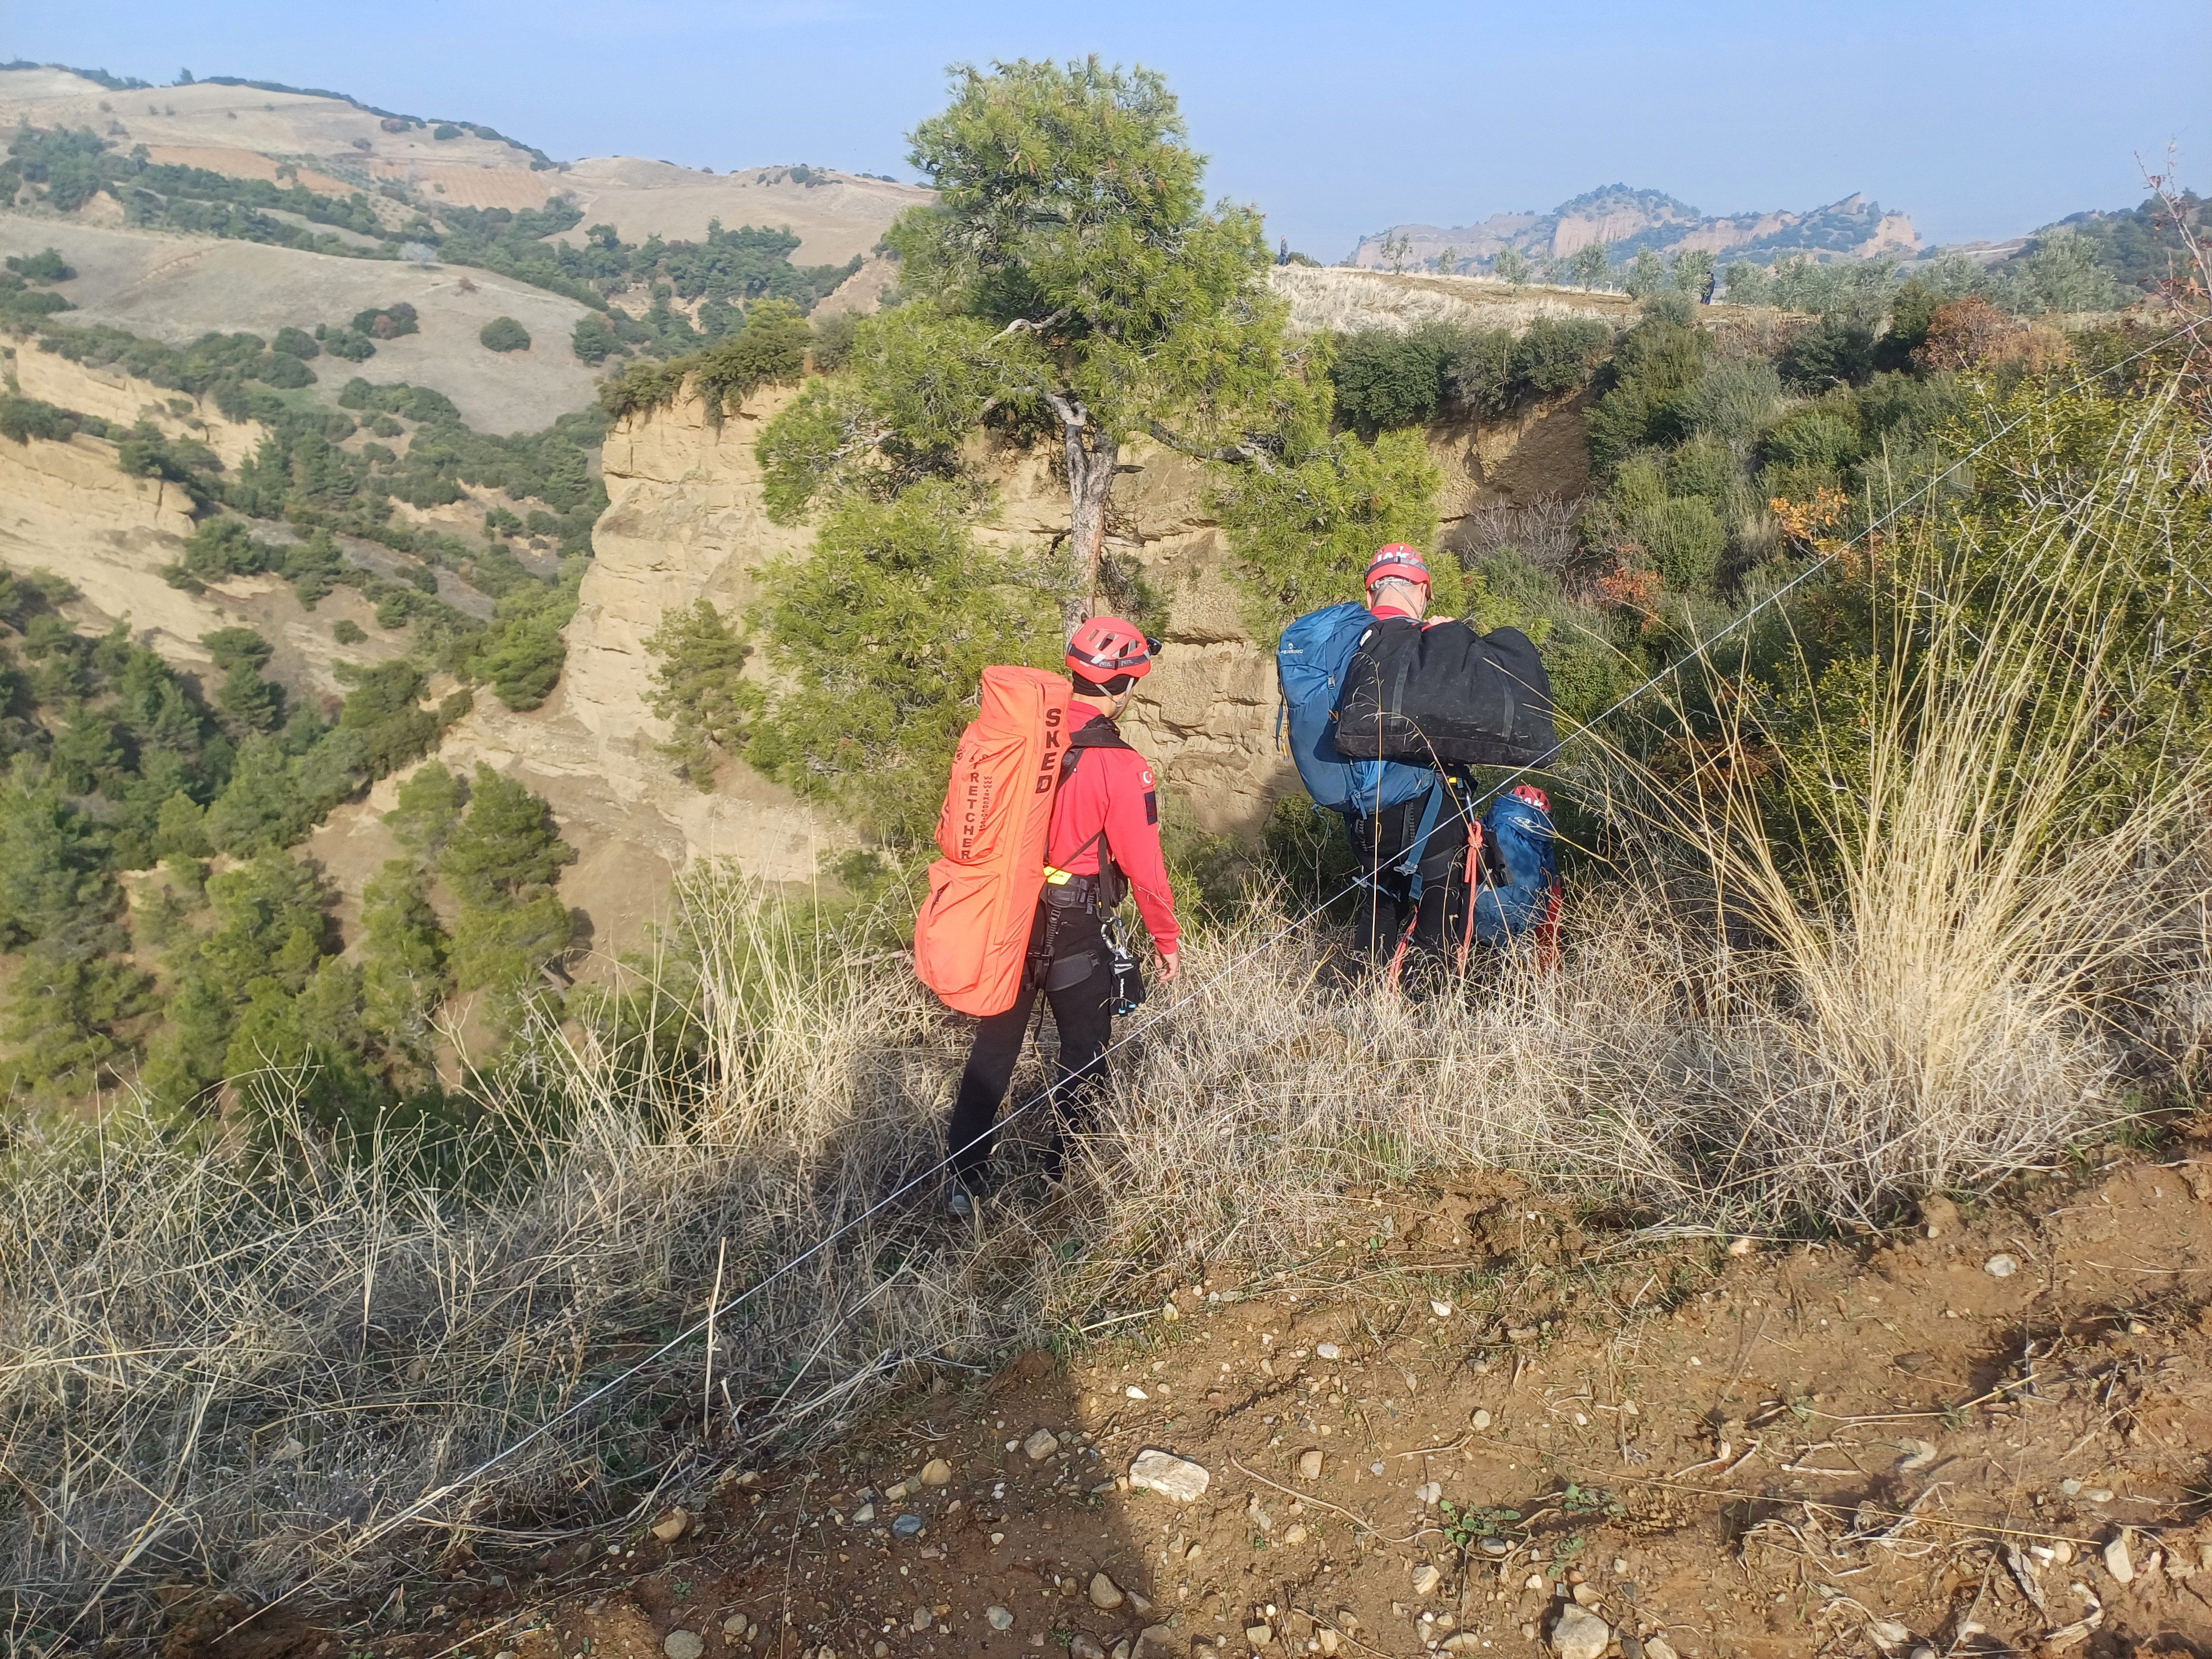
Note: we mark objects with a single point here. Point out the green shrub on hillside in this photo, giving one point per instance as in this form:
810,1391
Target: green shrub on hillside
1489,371
1303,529
502,860
1837,351
1387,378
594,340
1383,378
869,687
504,334
22,419
1645,392
770,349
46,265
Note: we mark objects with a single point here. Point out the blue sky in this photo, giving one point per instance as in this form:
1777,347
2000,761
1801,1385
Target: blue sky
1980,119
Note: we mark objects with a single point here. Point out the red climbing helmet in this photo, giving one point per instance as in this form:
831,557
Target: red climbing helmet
1529,793
1398,560
1106,646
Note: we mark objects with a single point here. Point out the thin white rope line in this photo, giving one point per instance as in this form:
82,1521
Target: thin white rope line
413,1511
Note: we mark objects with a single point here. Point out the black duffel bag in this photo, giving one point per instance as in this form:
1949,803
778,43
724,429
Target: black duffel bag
1445,695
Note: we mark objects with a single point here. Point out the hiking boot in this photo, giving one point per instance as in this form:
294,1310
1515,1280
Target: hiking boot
964,1204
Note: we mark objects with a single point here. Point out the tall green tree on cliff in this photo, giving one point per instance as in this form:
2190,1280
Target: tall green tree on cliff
1069,284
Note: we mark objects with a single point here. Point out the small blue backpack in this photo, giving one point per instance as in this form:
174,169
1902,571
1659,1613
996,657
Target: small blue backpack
1310,665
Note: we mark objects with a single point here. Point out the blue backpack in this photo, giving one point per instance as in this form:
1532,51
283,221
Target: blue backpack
1310,662
1525,848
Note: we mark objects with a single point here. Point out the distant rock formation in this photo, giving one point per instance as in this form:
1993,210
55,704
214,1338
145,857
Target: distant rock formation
1628,220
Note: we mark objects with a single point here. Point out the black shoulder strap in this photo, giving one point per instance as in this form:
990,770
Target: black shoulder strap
1098,734
1091,734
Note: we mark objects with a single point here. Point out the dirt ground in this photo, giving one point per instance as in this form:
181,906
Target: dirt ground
1475,1425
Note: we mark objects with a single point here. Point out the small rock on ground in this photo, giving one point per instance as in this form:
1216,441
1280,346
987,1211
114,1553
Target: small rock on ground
1310,1465
1580,1634
1105,1594
1173,1477
998,1618
936,1472
683,1644
672,1526
1041,1445
1426,1577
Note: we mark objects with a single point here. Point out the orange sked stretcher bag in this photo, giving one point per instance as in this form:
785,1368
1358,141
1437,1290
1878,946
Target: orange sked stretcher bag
971,940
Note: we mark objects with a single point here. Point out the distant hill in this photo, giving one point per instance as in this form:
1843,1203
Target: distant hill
1628,220
335,145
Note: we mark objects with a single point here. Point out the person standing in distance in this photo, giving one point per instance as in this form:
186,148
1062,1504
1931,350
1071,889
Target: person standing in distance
1103,844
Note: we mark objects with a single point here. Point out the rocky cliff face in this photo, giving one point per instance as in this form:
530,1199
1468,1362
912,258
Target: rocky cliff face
118,397
686,522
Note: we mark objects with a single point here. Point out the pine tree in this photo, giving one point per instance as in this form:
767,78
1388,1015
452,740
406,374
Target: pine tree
403,951
500,864
1082,293
429,806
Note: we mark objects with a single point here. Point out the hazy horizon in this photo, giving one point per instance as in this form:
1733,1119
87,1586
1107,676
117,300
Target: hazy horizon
1980,121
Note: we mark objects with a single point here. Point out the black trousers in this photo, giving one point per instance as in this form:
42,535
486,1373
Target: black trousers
1078,984
1388,908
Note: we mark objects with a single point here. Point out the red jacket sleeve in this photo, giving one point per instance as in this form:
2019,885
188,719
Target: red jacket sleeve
1133,833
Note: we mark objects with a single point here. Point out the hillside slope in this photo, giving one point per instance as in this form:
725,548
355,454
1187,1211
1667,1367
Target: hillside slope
175,289
249,132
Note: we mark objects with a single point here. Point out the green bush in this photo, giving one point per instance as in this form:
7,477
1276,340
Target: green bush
1647,393
1735,401
1837,351
25,418
1825,435
346,342
295,342
502,860
1387,378
46,265
387,322
770,349
1489,371
594,340
504,334
444,129
872,687
1683,539
346,631
1303,529
833,341
1704,467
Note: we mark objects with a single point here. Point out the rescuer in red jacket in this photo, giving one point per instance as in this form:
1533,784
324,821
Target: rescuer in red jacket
1104,843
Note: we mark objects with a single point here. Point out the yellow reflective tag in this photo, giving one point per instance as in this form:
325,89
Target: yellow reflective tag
1058,878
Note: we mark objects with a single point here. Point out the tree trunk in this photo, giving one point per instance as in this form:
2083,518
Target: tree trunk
1092,457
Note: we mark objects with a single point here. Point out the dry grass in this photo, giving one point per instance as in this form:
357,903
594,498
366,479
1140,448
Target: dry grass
1344,298
238,1358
